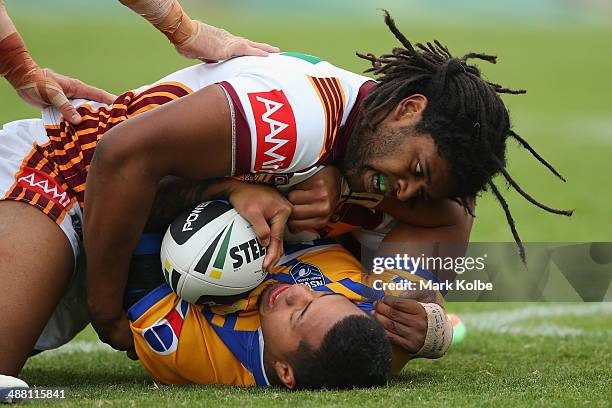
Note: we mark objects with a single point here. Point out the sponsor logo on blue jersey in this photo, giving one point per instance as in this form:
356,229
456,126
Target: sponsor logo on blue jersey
163,336
307,274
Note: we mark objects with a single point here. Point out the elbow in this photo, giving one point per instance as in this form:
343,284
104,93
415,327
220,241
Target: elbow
108,155
117,153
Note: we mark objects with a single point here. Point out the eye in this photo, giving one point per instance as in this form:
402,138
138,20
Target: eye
418,170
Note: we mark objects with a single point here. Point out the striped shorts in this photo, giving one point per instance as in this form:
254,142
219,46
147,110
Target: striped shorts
27,176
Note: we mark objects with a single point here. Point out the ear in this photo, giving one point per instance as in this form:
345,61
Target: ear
285,374
410,108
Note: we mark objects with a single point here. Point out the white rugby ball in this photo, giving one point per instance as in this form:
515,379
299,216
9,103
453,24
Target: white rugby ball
210,255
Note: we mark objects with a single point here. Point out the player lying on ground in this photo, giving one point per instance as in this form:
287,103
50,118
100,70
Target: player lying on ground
432,128
308,325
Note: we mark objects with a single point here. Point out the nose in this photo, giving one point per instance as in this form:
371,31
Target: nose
407,190
298,295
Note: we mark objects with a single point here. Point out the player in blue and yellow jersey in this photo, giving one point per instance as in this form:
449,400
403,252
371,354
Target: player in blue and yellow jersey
308,325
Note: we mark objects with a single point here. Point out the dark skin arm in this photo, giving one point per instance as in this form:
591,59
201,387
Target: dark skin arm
178,139
402,316
175,195
436,213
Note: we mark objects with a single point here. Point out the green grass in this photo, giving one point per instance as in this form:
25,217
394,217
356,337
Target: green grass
565,115
487,369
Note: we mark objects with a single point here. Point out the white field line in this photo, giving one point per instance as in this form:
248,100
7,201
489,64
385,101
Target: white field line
520,321
591,128
78,346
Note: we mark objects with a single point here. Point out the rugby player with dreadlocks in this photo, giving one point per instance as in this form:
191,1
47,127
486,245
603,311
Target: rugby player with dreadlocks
432,130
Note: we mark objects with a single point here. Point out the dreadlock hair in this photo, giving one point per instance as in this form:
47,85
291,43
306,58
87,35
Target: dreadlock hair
465,116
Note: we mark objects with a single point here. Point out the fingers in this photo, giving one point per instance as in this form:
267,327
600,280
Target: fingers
273,253
297,197
131,354
68,111
410,339
263,46
423,296
296,226
403,305
92,93
247,47
316,210
74,88
277,230
400,316
261,227
115,333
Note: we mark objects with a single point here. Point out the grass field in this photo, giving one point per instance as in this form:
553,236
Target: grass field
514,354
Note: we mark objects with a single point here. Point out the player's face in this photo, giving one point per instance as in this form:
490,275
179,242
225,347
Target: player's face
292,313
398,162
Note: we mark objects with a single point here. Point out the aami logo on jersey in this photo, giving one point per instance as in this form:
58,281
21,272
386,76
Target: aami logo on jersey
246,252
43,184
276,130
307,274
163,336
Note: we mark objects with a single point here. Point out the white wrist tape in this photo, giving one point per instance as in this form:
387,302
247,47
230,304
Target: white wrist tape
368,200
439,332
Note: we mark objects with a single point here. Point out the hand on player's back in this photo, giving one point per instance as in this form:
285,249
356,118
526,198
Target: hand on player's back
43,87
213,44
315,200
267,210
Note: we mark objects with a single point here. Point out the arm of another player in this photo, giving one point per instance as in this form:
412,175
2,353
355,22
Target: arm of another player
408,318
192,38
178,138
37,86
314,200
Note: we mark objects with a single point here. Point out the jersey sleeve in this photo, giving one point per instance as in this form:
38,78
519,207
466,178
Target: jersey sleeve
268,134
292,116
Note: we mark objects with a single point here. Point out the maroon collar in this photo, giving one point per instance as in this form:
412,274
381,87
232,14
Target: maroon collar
345,132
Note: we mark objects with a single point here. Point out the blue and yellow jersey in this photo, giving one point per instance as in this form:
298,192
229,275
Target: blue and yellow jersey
181,343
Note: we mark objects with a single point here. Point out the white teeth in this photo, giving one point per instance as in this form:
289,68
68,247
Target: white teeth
418,168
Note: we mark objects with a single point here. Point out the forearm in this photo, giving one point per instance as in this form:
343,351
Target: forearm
15,60
167,16
114,217
175,194
6,24
422,242
429,214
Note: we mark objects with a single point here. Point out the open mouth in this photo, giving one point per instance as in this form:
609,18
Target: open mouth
275,292
375,182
